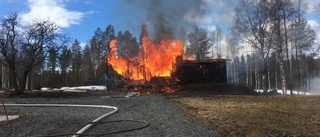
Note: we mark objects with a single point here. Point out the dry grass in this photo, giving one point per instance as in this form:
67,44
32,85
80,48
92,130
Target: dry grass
246,115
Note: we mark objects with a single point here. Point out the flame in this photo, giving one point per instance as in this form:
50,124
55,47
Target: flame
153,60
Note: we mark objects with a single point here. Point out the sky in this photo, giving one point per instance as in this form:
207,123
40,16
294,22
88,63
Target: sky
80,18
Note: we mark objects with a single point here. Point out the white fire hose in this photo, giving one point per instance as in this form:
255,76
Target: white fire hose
81,131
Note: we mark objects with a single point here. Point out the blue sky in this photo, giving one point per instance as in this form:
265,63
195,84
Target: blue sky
80,18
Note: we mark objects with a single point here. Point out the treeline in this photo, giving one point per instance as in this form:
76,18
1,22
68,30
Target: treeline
279,43
246,70
76,65
50,59
270,46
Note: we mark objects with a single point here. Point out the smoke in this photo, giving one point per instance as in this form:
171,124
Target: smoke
166,18
314,86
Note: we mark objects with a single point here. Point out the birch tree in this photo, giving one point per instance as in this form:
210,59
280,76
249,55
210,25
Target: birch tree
302,38
217,38
252,20
232,43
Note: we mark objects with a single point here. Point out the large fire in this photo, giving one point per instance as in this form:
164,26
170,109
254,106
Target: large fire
154,60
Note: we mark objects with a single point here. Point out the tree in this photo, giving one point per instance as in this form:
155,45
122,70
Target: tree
76,63
242,70
217,38
88,68
252,21
52,59
23,47
98,50
127,45
64,60
302,39
52,65
94,55
199,44
109,35
317,9
273,70
232,47
280,42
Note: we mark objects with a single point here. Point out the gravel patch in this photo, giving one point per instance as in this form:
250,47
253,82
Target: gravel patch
165,117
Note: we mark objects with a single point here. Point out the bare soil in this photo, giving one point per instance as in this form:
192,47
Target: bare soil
243,113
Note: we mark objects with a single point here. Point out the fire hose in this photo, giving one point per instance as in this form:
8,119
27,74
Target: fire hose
96,121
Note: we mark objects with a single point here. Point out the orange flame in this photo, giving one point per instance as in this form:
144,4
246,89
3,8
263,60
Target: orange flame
153,60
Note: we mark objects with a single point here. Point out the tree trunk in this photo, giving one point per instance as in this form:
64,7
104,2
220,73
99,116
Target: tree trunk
247,72
276,75
291,76
301,72
307,80
31,81
264,75
15,82
269,81
5,76
27,82
237,73
280,47
234,72
256,76
282,73
251,74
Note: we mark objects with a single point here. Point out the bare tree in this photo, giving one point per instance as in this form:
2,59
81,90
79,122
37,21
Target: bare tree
23,47
232,44
317,9
252,20
217,38
302,40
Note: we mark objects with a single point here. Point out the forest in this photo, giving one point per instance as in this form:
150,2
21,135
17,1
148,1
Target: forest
269,46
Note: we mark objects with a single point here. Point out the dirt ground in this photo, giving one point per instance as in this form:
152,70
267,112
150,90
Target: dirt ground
253,115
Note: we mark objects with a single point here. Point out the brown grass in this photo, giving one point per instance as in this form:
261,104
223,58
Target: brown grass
245,115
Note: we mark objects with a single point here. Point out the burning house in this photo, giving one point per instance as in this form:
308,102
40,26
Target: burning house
203,71
161,61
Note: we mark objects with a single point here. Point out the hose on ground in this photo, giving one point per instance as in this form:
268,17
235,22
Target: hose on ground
97,120
146,124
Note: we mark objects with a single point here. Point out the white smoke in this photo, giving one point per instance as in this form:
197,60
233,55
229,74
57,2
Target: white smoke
314,86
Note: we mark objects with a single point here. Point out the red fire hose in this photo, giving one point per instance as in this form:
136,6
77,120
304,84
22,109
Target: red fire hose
4,108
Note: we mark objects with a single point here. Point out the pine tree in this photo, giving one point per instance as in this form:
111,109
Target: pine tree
65,62
76,63
199,44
